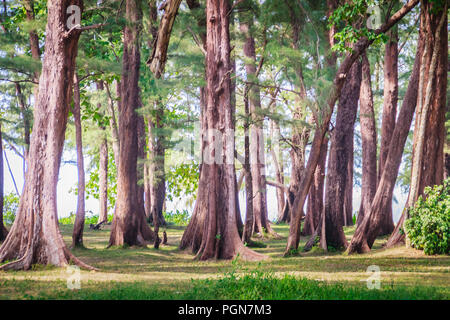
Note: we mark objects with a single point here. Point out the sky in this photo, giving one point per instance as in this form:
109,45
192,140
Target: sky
67,200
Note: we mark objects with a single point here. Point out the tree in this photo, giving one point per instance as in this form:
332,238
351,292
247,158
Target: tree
369,228
359,48
3,230
129,226
429,129
390,98
216,198
77,236
35,237
369,141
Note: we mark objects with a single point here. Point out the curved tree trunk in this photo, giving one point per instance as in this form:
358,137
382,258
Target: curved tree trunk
35,237
369,228
78,227
216,199
315,200
369,141
129,227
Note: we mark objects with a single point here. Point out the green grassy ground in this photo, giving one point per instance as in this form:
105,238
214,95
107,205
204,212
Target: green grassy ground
168,273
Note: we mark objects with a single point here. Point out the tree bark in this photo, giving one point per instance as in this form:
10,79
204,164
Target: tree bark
369,228
257,161
369,142
129,226
390,100
78,227
26,120
157,60
103,181
3,230
216,199
35,237
338,161
359,48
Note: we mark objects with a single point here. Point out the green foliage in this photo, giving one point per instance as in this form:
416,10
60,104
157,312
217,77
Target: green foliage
182,180
10,207
93,219
178,218
428,227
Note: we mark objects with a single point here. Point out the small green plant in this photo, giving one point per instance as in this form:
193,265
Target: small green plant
178,218
10,207
89,219
428,227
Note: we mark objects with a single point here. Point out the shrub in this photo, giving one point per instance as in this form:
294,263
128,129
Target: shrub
428,227
179,218
10,207
93,219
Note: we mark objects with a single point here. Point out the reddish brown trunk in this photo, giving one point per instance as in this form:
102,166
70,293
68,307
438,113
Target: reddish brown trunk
389,113
26,120
315,200
369,142
338,161
216,199
129,227
103,181
3,230
359,48
429,131
369,228
78,227
348,199
35,237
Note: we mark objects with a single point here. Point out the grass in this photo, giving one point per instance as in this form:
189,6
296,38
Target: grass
168,273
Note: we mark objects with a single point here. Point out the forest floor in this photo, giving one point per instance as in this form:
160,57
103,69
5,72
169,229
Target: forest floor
168,273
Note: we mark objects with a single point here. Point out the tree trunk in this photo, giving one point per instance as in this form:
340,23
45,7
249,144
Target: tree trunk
78,227
26,120
103,181
348,197
429,130
157,60
315,200
369,228
35,237
389,113
129,226
216,199
359,48
113,125
339,159
3,230
369,142
257,161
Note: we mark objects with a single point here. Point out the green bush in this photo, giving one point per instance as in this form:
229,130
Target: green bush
178,218
10,207
93,219
428,227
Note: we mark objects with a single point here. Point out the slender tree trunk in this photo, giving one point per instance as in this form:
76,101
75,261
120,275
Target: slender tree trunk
113,125
429,131
348,198
369,228
3,230
78,227
103,181
257,161
390,100
35,237
369,142
216,199
26,120
359,48
279,168
129,226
